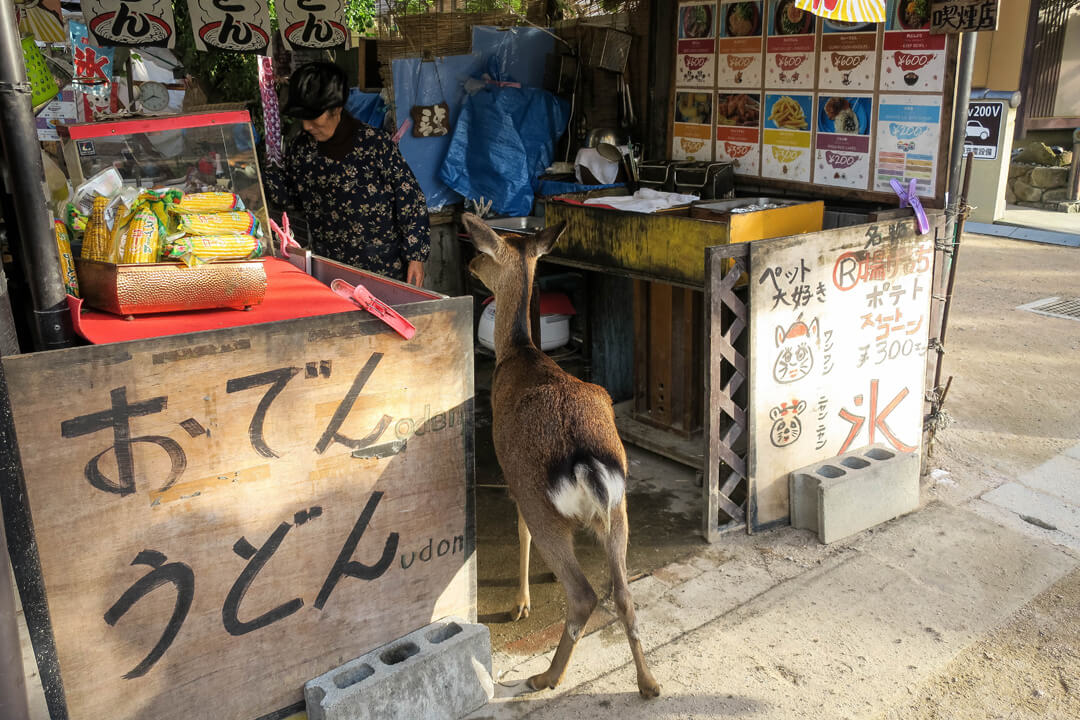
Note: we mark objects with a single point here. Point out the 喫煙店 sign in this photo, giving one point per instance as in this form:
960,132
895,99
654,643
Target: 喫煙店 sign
983,129
957,16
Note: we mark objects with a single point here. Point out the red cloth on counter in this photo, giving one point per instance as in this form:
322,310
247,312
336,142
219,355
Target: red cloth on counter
290,293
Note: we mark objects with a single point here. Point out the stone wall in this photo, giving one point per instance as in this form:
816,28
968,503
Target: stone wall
1039,178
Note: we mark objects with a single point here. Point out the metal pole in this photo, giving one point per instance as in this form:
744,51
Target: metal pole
960,111
23,176
961,204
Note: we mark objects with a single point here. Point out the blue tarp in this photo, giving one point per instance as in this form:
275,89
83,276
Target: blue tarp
368,108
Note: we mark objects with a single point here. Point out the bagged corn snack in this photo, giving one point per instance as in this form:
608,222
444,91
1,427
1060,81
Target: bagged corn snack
197,249
140,240
96,237
67,262
226,223
208,202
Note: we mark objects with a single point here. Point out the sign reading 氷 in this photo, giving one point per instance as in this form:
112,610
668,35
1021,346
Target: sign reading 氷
956,16
234,25
839,327
313,24
135,23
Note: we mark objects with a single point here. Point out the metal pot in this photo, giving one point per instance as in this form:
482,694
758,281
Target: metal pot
599,136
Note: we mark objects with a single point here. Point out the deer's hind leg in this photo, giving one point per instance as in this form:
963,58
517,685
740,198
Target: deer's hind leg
615,544
524,604
556,545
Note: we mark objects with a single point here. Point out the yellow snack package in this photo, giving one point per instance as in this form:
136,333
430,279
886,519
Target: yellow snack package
96,237
140,241
67,262
197,249
226,223
208,202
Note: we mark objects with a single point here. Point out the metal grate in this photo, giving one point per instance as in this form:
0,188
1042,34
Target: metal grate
1067,308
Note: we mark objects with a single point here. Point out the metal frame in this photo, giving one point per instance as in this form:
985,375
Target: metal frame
727,334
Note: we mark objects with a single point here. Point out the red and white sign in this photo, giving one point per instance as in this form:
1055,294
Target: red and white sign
135,23
695,60
791,47
738,46
233,25
912,59
313,24
738,130
848,61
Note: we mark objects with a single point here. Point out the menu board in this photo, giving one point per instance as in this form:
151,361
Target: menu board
739,45
842,147
791,48
695,65
908,136
738,133
786,153
791,98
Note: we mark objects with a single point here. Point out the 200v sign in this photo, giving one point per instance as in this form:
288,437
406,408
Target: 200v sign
983,129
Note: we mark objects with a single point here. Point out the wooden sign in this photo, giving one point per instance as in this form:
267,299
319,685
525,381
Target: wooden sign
957,16
222,516
838,342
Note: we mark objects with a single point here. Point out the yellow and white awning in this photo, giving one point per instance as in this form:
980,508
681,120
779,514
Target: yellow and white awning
845,10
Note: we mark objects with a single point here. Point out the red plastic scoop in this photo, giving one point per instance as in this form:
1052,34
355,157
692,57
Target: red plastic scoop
363,297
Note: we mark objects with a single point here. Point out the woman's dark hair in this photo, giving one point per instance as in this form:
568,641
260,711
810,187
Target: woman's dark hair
314,89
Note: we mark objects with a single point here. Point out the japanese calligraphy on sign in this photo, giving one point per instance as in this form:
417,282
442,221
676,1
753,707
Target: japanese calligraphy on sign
136,23
956,16
839,327
235,25
313,24
221,517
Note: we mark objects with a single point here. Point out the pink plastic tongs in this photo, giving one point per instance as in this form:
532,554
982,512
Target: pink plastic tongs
363,297
284,233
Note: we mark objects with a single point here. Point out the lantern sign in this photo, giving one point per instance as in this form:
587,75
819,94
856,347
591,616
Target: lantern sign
845,11
957,16
134,23
313,24
233,25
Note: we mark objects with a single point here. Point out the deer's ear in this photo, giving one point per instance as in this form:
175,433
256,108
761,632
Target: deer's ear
484,238
546,238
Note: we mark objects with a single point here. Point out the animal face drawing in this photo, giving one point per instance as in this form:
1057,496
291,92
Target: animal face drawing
786,427
795,356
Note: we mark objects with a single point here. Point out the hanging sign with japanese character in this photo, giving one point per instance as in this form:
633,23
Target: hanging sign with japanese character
313,24
136,23
219,517
839,327
235,25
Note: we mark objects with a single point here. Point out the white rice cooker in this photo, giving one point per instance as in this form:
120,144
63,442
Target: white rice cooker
555,312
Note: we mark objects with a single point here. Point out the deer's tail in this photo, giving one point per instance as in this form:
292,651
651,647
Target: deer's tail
586,486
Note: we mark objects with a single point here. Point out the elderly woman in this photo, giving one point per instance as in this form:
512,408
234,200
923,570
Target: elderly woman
362,202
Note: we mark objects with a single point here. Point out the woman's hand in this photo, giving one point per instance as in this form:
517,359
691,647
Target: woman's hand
414,275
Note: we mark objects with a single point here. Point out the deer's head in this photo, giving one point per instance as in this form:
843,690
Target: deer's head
504,263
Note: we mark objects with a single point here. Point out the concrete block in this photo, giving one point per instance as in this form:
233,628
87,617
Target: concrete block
849,493
440,672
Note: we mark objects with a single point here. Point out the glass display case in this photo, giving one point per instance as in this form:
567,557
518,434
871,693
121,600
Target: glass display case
193,153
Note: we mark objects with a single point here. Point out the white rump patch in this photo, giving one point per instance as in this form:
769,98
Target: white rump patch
574,497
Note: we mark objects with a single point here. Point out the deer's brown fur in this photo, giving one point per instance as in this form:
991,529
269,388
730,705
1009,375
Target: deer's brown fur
556,442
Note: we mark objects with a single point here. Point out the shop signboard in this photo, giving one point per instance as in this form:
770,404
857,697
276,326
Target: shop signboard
838,339
848,56
738,130
908,142
695,62
233,25
312,24
693,127
956,16
742,27
912,60
786,153
221,516
842,142
983,130
791,47
135,23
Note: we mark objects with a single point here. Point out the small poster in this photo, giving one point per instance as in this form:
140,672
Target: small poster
790,51
135,23
60,110
786,149
693,125
912,59
983,129
908,135
842,143
848,56
237,25
95,95
742,27
312,24
695,62
738,130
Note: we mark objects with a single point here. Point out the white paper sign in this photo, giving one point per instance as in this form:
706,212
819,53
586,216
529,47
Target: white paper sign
312,24
234,25
839,329
695,52
135,23
908,139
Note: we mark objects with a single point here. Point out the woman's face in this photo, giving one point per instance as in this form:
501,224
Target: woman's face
322,128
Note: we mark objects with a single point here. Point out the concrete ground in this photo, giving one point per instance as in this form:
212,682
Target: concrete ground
963,609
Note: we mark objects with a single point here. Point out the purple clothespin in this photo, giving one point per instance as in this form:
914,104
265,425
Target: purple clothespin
911,198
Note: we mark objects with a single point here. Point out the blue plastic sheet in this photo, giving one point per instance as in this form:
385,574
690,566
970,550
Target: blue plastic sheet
503,141
368,108
514,54
561,187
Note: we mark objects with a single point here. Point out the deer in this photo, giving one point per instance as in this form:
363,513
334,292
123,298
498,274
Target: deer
558,448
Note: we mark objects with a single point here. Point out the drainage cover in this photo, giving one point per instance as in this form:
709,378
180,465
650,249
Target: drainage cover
1068,308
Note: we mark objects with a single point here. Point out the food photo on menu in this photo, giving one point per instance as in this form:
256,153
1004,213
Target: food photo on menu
695,21
846,115
739,110
788,19
742,19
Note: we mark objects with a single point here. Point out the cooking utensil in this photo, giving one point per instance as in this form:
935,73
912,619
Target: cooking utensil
363,297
